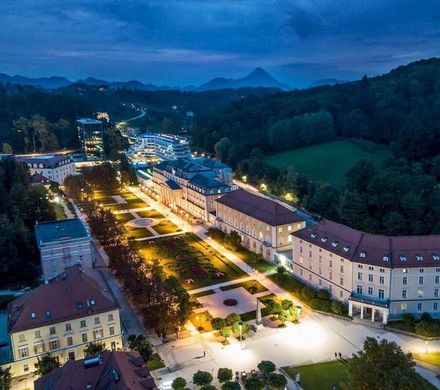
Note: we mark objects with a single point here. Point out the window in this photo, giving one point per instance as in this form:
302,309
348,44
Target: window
280,230
359,290
437,279
54,344
25,367
342,269
111,330
405,271
97,334
300,271
69,340
421,270
341,281
300,249
382,270
83,324
84,337
370,290
21,338
52,330
370,278
360,266
419,306
330,276
110,317
320,271
320,258
403,307
37,334
23,352
330,264
341,294
420,279
403,293
381,280
381,293
68,327
97,321
320,282
310,253
436,293
359,275
370,268
435,306
405,280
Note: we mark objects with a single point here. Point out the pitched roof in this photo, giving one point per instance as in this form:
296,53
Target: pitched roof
205,181
373,249
115,370
54,231
71,295
263,209
47,160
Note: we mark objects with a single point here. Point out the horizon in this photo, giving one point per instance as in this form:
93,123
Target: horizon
189,42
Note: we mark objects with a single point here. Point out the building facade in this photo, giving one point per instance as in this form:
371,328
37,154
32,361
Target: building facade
91,138
63,244
264,225
62,318
190,185
378,277
159,147
51,166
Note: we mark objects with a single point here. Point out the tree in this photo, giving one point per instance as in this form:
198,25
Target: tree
233,240
276,381
94,348
360,175
5,378
232,318
208,387
382,365
224,375
226,332
281,271
218,323
221,149
231,386
47,363
254,384
76,187
140,344
202,378
179,383
266,367
6,148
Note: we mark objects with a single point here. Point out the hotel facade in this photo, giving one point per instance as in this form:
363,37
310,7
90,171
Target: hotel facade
264,225
378,277
51,166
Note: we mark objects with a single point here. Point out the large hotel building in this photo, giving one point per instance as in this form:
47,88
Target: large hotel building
379,277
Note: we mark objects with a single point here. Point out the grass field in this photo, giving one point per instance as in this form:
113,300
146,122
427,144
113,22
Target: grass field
328,162
430,357
320,376
155,362
252,286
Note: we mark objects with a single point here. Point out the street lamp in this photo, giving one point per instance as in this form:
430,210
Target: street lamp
240,327
426,347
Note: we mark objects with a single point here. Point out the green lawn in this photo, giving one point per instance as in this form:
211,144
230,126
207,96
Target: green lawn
189,258
430,357
320,376
59,211
328,162
124,217
201,321
138,233
150,214
155,362
401,325
251,285
166,227
131,204
202,294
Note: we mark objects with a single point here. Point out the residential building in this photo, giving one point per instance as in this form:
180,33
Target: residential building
378,276
190,185
54,167
116,370
91,138
62,318
63,244
265,226
153,147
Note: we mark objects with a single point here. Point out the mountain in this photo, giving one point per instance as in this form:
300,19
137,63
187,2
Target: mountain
42,82
321,82
257,78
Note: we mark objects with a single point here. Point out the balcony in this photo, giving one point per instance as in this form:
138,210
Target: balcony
369,300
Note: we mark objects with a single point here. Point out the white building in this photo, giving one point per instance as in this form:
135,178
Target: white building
159,147
52,166
378,276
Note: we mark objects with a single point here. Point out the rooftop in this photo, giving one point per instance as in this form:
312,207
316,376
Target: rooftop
55,231
263,209
111,370
48,160
374,249
72,294
89,121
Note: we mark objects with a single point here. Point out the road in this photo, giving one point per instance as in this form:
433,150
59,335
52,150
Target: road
141,115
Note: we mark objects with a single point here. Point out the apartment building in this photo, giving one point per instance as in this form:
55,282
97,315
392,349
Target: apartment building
62,318
54,167
190,185
110,370
91,138
265,226
159,147
63,244
378,276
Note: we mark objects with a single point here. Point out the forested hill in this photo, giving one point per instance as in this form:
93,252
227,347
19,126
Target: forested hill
402,106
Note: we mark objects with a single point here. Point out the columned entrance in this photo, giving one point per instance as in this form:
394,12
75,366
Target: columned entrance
368,309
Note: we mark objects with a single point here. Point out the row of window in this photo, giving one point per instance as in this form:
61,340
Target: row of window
420,307
420,293
380,292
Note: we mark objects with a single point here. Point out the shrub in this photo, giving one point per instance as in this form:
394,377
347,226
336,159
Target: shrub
232,319
408,318
266,367
208,387
179,383
202,378
323,294
427,329
326,306
218,323
231,386
224,375
307,293
276,381
254,384
337,307
316,304
281,271
426,317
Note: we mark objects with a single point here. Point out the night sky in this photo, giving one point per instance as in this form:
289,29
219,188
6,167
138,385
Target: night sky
185,42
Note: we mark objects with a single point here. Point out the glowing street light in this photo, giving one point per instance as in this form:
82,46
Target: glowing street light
426,347
240,327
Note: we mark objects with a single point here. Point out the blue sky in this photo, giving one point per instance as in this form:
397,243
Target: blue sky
182,42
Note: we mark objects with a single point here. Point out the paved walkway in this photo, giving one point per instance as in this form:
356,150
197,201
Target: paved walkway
219,285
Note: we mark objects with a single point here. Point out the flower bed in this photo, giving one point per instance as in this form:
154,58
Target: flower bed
230,302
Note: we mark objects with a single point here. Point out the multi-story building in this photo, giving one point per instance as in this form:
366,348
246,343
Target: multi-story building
190,185
63,244
91,138
159,147
54,167
61,318
263,224
378,276
117,370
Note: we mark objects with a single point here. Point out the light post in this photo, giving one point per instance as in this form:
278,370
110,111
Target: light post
240,327
426,347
